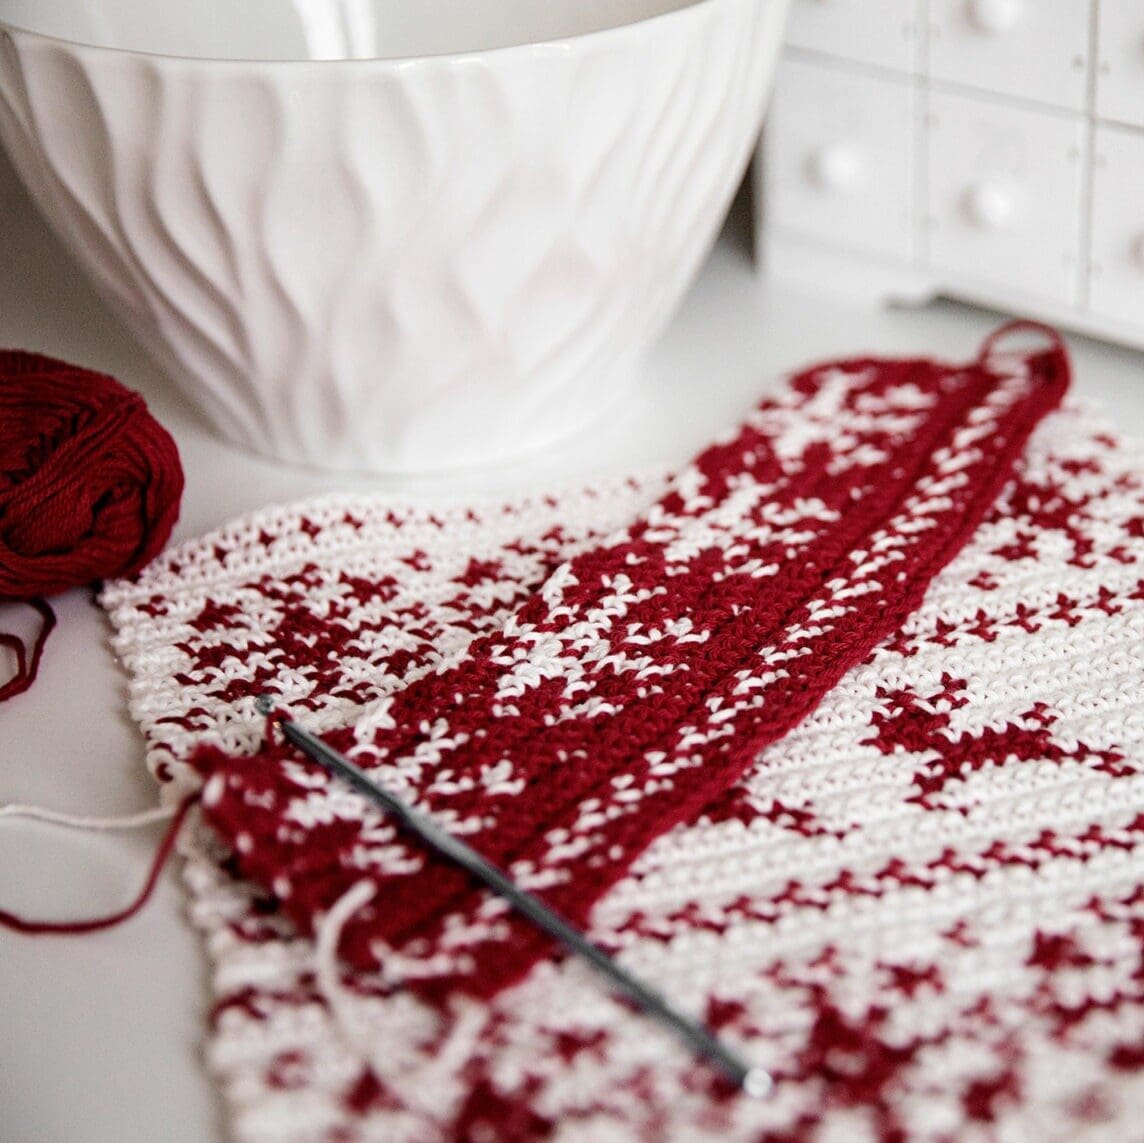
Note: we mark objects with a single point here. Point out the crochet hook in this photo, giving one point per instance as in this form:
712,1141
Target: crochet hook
754,1082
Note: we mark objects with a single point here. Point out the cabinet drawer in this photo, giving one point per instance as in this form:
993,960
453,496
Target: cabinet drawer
838,158
1033,49
1004,195
1116,282
1120,61
880,32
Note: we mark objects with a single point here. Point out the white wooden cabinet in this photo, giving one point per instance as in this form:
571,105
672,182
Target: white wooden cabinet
843,164
1116,266
1031,49
988,216
879,32
1120,62
985,149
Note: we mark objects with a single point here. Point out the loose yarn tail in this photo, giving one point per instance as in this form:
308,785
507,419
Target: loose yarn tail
27,656
177,816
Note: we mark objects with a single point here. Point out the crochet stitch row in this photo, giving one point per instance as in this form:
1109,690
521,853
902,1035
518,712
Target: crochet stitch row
643,676
921,909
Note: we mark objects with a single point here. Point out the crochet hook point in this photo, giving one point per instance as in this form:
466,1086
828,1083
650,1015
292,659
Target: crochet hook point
264,704
757,1084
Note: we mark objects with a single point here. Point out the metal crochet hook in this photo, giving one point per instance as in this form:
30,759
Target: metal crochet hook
754,1082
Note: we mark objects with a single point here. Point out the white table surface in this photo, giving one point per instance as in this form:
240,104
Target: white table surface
100,1036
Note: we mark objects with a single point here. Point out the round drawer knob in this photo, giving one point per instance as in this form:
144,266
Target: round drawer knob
990,205
995,15
836,167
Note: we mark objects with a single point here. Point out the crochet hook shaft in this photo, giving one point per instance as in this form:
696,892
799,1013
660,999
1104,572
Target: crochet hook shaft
752,1081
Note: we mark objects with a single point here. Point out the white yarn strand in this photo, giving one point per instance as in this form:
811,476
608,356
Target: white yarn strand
87,823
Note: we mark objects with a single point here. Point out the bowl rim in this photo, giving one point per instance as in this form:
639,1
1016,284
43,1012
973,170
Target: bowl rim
687,9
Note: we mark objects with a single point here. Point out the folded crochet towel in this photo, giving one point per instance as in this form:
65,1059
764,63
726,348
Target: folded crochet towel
922,908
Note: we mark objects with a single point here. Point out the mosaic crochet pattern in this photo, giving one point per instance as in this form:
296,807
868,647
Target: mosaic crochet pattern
640,679
921,908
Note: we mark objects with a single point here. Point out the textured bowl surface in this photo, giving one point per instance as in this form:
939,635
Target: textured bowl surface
323,29
394,264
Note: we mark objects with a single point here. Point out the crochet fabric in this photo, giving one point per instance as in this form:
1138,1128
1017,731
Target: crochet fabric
639,680
921,908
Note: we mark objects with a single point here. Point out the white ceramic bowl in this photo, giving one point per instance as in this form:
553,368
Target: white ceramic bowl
388,234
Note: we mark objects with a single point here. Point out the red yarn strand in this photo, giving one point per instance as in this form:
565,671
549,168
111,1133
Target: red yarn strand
96,924
26,670
1019,325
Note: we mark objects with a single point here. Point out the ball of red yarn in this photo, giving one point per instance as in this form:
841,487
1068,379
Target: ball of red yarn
90,482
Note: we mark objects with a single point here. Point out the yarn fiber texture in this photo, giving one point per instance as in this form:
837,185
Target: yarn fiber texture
921,909
644,675
90,482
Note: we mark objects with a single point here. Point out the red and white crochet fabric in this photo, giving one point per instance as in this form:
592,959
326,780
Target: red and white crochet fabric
897,857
